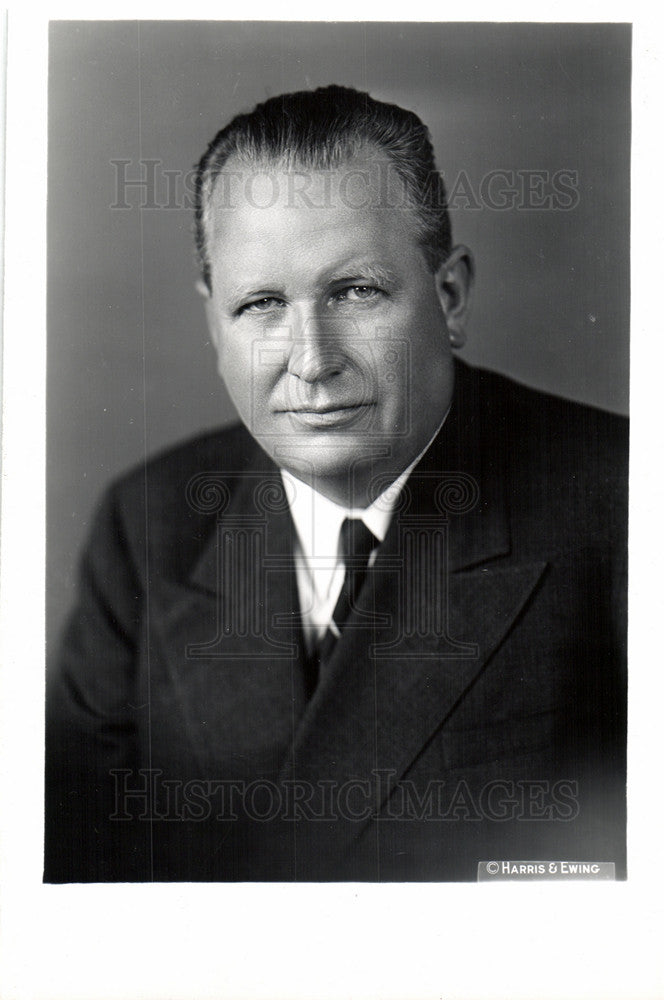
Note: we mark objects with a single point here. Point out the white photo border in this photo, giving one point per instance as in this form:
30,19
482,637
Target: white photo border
370,942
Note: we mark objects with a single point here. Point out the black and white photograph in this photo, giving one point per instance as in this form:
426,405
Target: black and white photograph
337,537
357,609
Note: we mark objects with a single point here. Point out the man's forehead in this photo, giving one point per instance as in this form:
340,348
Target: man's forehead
367,179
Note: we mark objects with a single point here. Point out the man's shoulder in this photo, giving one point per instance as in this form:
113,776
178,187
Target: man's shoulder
534,422
159,506
490,389
555,462
157,497
219,452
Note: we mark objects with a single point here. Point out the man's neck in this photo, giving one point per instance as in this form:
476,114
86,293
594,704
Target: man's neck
360,485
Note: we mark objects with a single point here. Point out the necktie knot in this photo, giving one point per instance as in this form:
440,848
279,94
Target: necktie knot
357,542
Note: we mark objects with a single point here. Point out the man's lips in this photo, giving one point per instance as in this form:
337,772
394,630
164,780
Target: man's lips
327,414
325,408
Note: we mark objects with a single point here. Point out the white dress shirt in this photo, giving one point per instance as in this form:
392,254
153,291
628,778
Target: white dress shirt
319,564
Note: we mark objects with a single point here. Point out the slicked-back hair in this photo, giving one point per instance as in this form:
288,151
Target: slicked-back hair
320,130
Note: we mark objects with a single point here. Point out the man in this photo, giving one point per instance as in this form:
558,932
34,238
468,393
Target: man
377,632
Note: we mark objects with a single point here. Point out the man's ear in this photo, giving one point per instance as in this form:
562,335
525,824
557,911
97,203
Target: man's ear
454,281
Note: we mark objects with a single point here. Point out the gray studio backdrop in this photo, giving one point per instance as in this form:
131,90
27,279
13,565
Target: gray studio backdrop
531,127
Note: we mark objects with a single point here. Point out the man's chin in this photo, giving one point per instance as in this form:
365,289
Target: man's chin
323,454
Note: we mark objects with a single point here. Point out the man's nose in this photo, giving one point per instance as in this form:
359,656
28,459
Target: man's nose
316,353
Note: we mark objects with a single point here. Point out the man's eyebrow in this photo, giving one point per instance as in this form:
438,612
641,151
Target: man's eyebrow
363,270
236,295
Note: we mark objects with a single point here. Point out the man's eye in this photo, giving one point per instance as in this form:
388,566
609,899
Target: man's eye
358,293
265,304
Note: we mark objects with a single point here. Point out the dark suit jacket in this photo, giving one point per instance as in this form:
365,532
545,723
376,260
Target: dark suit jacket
474,709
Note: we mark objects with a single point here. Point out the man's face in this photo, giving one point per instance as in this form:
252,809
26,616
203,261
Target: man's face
330,329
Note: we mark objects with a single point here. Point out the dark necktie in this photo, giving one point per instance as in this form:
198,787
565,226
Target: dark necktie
357,543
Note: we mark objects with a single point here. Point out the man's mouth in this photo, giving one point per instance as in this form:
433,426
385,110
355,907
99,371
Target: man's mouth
328,414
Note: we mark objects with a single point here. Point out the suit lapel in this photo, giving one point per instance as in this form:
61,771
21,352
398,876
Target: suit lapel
376,709
229,637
